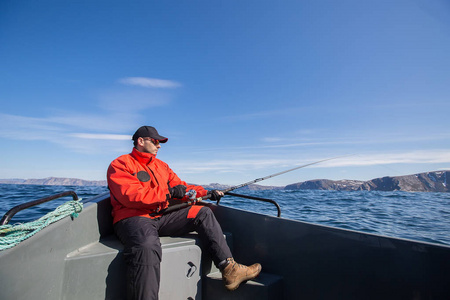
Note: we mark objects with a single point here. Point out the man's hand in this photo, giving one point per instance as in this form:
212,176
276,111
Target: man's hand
216,195
178,191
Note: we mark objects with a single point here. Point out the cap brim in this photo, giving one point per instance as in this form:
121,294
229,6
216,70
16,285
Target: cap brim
161,139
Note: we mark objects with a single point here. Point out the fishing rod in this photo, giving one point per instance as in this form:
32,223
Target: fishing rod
194,200
273,175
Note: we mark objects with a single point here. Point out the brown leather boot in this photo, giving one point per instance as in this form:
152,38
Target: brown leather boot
234,274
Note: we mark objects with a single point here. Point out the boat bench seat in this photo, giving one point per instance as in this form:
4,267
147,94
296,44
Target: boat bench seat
97,270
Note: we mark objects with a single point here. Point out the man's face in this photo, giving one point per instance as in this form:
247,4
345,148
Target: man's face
149,145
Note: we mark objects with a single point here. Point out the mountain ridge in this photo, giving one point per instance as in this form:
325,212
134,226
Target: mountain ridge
435,181
55,181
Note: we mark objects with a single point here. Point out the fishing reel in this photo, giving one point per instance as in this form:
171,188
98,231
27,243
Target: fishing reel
192,195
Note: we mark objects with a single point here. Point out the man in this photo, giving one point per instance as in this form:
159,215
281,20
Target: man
141,186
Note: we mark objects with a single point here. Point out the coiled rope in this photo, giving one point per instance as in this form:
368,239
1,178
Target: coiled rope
12,235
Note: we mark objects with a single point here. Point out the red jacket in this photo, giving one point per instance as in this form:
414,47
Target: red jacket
139,185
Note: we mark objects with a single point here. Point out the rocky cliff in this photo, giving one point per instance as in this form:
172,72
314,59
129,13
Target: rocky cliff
423,182
325,184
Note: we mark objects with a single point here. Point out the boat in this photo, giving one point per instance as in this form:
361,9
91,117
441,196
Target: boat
80,258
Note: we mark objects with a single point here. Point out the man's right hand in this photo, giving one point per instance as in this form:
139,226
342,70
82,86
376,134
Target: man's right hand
177,192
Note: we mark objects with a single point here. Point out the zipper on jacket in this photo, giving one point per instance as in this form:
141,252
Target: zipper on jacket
156,179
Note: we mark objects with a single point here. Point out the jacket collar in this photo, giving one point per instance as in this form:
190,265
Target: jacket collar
142,157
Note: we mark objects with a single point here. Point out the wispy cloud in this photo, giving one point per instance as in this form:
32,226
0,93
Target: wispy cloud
96,136
355,138
150,82
21,127
263,114
131,101
120,109
225,166
59,130
241,165
434,156
272,140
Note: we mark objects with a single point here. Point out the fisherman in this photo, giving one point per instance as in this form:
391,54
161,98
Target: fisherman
141,186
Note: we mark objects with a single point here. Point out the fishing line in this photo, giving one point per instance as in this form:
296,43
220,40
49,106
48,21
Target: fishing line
193,201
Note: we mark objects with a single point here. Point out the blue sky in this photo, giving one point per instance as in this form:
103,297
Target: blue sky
242,89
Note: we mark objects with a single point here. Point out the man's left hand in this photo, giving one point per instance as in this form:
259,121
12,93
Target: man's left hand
216,195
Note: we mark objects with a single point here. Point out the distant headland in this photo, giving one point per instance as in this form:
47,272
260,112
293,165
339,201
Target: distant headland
423,182
55,181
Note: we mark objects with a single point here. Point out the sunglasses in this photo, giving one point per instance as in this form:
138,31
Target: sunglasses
154,142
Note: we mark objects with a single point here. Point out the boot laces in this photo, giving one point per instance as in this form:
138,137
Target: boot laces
234,264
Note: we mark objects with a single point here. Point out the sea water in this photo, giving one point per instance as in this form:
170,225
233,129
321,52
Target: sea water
417,216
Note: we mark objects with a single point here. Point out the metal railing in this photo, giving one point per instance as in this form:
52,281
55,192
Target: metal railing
258,199
10,213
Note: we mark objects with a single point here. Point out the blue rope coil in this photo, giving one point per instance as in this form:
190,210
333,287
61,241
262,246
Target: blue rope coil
12,235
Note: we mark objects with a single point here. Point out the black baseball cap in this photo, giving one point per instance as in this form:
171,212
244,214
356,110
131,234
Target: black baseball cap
148,131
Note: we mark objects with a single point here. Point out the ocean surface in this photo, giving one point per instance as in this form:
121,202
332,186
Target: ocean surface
417,216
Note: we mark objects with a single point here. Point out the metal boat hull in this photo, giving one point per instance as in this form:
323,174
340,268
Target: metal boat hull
74,259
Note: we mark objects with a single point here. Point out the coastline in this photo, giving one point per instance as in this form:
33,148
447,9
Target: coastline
435,181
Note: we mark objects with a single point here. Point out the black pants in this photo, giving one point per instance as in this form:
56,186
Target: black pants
142,252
